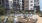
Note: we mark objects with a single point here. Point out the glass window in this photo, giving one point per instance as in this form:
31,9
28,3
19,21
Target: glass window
7,1
34,4
31,1
6,5
14,3
31,8
31,5
14,0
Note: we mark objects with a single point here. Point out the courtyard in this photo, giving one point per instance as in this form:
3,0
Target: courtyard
26,20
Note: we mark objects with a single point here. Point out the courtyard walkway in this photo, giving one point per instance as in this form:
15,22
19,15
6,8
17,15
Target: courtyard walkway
39,19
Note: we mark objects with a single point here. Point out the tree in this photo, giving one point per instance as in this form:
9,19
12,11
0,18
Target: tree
11,11
40,14
2,10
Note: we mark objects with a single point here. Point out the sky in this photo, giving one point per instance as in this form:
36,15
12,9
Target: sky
41,5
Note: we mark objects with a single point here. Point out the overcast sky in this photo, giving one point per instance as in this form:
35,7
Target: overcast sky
40,4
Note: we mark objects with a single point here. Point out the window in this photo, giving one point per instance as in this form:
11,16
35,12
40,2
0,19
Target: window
31,1
31,8
7,5
34,4
31,5
14,3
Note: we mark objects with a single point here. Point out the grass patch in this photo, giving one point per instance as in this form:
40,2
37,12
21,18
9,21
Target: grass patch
2,18
10,19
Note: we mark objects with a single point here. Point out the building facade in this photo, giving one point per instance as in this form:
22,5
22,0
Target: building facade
37,6
10,4
20,3
16,5
24,5
30,5
6,6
